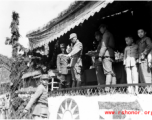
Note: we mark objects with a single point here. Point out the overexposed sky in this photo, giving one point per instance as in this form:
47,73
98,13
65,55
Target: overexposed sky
33,14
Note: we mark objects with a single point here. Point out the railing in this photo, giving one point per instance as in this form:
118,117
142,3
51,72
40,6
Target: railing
143,88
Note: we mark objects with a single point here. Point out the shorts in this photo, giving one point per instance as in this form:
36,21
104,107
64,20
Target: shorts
107,66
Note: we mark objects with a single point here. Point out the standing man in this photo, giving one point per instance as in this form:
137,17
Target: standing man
75,53
62,66
98,61
144,48
39,100
107,55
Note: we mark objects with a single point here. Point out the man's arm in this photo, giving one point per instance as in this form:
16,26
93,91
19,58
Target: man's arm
34,97
104,45
58,63
68,49
76,49
125,56
149,46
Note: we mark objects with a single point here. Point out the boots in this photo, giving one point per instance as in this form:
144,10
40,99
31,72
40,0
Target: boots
73,83
76,84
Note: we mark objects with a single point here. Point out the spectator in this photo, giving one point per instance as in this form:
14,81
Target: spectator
144,47
130,58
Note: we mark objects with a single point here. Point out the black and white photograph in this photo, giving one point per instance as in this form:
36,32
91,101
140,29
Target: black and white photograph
75,60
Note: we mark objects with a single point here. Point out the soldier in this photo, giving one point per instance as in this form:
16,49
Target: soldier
98,61
62,66
107,55
40,98
76,62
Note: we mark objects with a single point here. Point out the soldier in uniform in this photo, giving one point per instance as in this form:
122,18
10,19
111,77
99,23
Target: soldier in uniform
106,54
75,52
98,62
62,66
40,99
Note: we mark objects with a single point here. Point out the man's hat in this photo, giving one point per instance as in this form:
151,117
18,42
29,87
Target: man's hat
72,35
62,45
44,77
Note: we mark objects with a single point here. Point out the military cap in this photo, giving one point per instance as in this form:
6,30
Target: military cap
44,77
72,35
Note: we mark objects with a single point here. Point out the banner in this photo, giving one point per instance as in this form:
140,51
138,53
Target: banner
105,107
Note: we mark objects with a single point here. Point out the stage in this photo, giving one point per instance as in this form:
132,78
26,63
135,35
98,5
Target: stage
95,104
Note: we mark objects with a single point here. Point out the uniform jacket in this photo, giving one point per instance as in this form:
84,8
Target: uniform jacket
144,46
130,55
40,96
107,45
97,62
76,53
62,63
76,49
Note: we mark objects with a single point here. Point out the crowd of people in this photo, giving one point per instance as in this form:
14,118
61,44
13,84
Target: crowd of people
137,59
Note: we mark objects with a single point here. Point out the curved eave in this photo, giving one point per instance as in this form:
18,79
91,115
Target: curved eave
57,20
66,25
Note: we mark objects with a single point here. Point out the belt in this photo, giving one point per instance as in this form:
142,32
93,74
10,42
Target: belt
43,103
107,57
41,116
